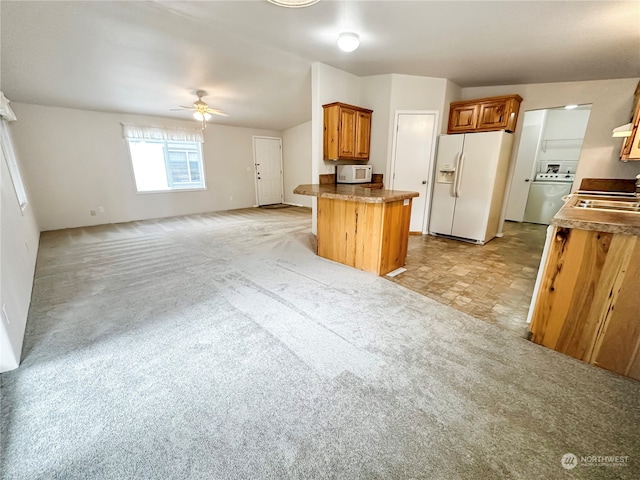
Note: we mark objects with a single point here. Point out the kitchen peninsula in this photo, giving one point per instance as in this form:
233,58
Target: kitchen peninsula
365,228
585,303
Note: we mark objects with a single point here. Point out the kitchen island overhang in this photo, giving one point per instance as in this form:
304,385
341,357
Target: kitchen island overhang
364,228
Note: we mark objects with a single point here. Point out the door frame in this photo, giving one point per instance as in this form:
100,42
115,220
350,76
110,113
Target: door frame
255,169
392,165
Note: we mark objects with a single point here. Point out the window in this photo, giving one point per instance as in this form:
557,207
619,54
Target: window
165,159
10,157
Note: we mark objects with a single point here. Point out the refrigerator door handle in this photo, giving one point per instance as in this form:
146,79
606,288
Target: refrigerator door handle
459,175
461,168
455,176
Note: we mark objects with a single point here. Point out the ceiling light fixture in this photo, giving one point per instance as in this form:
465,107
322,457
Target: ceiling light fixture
293,3
201,116
570,107
348,41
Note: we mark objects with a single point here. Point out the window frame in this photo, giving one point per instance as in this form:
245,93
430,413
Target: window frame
165,151
11,160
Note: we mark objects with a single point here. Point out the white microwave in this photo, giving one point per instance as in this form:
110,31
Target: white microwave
353,174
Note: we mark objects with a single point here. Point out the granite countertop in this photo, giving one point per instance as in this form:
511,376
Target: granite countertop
611,221
354,193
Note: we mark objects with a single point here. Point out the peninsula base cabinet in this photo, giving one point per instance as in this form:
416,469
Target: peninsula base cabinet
368,236
587,305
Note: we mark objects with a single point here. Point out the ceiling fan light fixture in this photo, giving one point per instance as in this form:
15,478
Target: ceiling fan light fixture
201,116
348,41
293,3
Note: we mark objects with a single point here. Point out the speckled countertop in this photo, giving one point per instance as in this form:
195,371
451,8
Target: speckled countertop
354,193
611,221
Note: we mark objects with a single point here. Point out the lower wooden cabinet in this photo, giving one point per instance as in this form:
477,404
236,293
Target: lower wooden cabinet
484,114
587,305
368,236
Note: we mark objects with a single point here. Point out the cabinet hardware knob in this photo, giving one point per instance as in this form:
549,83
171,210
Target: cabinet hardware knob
424,182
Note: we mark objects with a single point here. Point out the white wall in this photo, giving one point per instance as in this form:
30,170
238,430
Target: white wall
19,238
453,93
376,94
296,160
77,160
612,101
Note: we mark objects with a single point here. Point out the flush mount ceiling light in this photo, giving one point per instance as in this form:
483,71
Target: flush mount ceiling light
570,107
348,41
293,3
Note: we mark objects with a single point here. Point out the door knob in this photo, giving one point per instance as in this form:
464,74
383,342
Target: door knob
424,182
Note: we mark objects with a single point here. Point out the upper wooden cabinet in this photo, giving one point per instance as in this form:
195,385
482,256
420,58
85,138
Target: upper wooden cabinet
484,114
347,132
631,145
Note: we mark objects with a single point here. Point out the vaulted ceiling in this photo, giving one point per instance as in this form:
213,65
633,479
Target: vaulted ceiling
254,58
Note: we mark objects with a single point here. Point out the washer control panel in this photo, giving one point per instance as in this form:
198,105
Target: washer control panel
555,177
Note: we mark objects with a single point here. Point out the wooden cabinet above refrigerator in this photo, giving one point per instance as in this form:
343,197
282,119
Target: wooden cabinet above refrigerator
484,114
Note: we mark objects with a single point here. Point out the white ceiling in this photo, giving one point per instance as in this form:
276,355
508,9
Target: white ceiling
254,58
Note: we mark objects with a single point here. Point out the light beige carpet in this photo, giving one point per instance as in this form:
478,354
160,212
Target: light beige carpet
220,347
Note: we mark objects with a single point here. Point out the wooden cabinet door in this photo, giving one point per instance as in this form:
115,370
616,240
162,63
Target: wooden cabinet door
363,135
347,137
463,118
493,115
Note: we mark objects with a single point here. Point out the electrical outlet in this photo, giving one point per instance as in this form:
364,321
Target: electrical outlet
230,197
93,213
4,314
101,209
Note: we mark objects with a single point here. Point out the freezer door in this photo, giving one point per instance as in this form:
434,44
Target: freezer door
443,201
476,183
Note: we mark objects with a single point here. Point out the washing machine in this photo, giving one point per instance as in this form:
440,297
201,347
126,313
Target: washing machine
546,196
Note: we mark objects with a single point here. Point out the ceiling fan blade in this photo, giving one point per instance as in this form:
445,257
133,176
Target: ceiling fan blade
215,111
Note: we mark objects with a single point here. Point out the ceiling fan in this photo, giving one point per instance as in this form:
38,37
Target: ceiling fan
202,111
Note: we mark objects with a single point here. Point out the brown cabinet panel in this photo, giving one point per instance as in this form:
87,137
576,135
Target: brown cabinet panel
463,118
484,115
586,306
363,135
368,236
347,132
347,145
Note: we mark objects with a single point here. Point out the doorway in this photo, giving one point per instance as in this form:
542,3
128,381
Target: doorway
267,160
412,161
546,163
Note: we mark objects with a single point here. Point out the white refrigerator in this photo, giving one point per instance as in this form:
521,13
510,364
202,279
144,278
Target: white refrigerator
470,179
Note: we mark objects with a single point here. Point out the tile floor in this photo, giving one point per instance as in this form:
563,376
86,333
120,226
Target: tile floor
492,282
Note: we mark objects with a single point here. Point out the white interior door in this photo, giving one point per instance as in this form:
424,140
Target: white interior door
413,162
267,154
523,173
